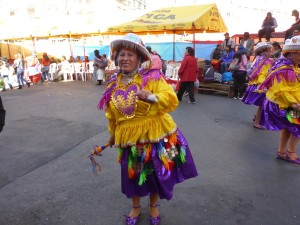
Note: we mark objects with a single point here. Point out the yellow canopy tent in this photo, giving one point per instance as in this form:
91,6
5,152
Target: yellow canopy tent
175,20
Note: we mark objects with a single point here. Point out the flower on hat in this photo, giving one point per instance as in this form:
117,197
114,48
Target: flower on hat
292,45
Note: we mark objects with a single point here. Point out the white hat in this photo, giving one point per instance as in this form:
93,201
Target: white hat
292,45
261,46
131,41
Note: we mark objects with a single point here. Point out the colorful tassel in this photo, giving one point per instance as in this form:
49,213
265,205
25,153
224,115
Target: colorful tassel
131,173
291,119
171,165
120,152
148,150
134,152
98,149
173,139
182,154
164,162
143,175
96,168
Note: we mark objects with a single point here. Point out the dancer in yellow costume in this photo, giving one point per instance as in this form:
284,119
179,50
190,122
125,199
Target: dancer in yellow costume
281,108
153,153
258,74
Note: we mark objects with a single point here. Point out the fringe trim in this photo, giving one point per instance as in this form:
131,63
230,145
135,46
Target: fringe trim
147,75
148,141
107,94
152,74
169,150
256,68
286,73
291,119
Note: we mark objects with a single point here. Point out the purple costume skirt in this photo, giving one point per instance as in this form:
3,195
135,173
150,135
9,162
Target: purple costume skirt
274,119
161,180
252,97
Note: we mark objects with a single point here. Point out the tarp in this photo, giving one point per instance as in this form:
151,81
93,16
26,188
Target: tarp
203,50
175,20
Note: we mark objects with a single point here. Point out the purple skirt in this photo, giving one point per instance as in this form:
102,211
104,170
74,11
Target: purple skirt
274,119
252,97
161,180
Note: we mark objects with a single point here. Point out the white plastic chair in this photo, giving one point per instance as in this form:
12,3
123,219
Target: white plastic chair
175,74
79,70
90,70
169,71
68,70
53,70
85,67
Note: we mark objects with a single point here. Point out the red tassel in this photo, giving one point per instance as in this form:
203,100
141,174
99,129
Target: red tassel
167,145
171,165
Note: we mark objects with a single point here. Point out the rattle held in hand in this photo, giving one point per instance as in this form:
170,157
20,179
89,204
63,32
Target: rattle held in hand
96,168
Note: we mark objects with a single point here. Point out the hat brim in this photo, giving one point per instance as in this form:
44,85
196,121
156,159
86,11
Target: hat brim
291,48
116,45
260,48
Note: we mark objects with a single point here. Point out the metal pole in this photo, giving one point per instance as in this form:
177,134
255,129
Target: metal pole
33,44
194,39
71,50
174,45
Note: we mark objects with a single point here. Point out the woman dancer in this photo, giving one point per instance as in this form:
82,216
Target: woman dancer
153,153
257,75
281,108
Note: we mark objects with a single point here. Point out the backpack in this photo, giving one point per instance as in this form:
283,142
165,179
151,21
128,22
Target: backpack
234,65
208,74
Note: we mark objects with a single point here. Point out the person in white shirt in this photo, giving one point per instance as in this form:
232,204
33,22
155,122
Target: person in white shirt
4,66
228,41
63,68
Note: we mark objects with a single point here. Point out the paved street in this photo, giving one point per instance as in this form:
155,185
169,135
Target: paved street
46,178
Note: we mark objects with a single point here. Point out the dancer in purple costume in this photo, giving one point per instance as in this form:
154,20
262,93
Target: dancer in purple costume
153,153
257,75
281,108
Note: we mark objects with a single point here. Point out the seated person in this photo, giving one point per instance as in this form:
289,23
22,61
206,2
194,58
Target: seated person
268,26
63,69
295,26
216,57
227,57
276,51
248,44
86,59
208,72
78,59
71,59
